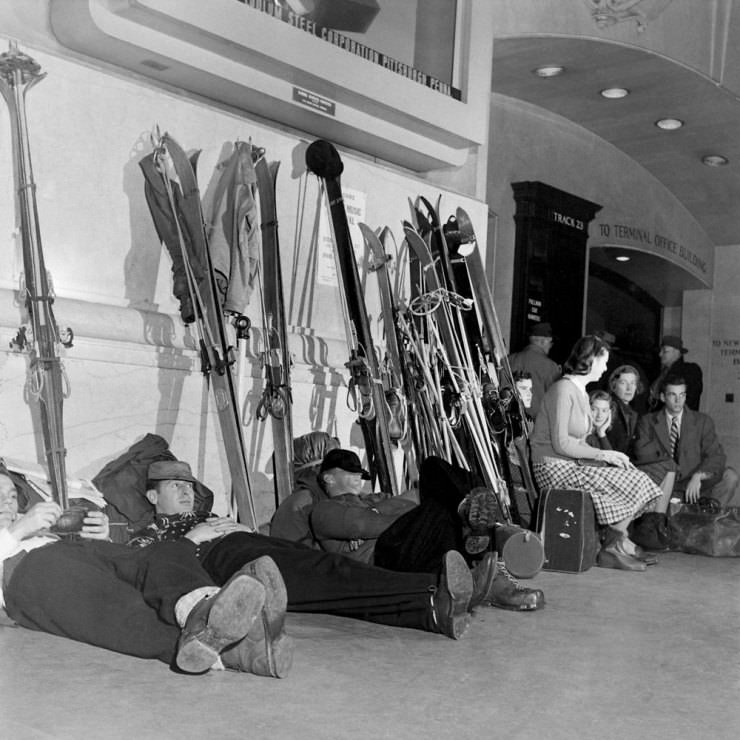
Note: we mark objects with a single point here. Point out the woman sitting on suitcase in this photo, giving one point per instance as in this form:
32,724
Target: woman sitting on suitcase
562,458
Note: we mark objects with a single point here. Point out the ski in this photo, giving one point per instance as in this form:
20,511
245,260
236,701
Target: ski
397,384
47,382
437,243
174,200
277,400
453,352
322,159
497,401
472,264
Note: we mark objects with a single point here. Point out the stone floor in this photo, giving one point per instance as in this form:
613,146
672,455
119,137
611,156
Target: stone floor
613,655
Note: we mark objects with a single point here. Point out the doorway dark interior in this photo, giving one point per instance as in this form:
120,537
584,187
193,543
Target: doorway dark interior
632,315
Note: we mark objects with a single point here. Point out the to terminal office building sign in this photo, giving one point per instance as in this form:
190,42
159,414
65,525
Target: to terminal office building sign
617,233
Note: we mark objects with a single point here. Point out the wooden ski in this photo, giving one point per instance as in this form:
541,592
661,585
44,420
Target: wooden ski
47,384
322,159
454,354
277,399
174,199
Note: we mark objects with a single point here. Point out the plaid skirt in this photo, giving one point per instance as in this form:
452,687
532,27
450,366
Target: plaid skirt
617,493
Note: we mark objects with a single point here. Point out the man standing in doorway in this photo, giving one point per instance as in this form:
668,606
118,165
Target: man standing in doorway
534,360
671,361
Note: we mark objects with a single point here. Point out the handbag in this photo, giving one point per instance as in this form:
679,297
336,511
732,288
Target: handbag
706,528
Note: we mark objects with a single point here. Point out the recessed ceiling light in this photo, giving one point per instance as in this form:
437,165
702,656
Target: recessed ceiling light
669,124
551,70
715,160
614,93
622,258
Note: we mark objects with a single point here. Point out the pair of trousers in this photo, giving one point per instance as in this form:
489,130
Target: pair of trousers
106,594
418,540
328,583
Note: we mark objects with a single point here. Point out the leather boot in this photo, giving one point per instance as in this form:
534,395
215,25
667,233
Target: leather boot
484,574
495,586
450,601
266,650
479,512
219,621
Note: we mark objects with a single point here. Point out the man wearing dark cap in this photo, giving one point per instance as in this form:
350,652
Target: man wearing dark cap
534,359
399,534
291,520
350,521
671,361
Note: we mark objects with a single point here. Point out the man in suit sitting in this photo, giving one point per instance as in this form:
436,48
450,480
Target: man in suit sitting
693,445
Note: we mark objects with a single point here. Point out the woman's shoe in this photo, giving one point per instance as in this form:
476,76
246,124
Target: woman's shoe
610,557
646,557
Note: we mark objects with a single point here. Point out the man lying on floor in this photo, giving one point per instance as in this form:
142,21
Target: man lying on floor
152,603
453,512
316,581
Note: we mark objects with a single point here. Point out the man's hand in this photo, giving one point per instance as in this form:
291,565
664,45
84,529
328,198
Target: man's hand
214,528
693,489
38,517
95,526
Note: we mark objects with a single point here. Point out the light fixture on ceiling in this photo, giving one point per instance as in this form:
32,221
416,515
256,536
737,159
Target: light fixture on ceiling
550,70
622,258
614,93
669,124
715,160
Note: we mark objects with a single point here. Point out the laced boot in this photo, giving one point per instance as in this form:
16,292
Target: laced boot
266,650
484,574
497,587
450,601
479,512
218,621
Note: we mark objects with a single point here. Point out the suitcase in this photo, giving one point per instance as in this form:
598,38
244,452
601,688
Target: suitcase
567,526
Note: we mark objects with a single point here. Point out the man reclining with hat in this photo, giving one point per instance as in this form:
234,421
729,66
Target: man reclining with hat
315,581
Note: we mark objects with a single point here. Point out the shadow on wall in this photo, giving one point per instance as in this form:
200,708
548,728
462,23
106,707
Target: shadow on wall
141,265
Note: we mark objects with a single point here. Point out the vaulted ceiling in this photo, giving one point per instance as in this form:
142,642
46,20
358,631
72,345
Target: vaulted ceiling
659,87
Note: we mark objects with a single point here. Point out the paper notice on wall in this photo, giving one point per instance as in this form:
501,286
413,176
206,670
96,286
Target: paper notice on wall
354,206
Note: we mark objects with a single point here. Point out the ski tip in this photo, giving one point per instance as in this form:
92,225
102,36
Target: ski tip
323,159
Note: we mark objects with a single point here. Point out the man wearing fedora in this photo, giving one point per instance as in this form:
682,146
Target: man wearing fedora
302,579
534,359
671,361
